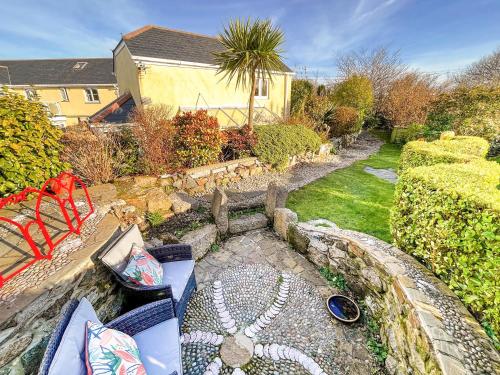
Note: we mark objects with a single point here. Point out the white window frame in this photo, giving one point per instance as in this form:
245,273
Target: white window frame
92,97
262,82
30,94
64,94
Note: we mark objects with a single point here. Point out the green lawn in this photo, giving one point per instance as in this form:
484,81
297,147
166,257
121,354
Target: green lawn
350,197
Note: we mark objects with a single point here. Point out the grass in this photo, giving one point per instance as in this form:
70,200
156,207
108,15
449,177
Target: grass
155,218
350,197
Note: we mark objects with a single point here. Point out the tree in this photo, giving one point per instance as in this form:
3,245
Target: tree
250,49
408,99
380,66
302,90
485,72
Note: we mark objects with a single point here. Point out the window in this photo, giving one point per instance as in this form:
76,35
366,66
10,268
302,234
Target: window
262,89
91,95
64,94
30,94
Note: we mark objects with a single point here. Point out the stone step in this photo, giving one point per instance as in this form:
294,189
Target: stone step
247,223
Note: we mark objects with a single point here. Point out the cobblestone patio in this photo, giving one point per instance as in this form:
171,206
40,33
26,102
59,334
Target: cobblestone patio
256,293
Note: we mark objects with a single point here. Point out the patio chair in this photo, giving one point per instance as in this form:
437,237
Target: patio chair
153,327
177,262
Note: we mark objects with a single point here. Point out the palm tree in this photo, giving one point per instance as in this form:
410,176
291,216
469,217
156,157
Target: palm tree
250,49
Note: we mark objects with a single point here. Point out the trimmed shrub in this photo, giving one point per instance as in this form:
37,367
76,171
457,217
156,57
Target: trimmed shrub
346,120
29,145
277,143
456,150
404,135
447,216
197,140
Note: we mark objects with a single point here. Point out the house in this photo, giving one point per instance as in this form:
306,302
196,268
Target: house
72,89
157,65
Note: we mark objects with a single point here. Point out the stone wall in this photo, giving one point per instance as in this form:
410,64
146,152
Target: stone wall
27,322
424,325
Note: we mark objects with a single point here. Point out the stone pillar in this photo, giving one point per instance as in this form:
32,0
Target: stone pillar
283,217
275,198
220,211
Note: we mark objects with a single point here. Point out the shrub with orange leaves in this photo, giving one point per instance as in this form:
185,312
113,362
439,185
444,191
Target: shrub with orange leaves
197,139
346,120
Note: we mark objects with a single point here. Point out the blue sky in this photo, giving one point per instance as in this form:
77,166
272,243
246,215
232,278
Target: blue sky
432,35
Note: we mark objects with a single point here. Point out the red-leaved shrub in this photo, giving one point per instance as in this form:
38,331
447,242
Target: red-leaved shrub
239,143
197,139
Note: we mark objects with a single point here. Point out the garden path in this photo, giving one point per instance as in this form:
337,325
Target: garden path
250,270
251,191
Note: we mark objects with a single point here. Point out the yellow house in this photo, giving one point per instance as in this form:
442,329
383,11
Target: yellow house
72,89
157,65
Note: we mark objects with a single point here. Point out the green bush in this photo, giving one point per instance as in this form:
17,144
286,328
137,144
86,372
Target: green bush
276,143
456,150
467,111
29,145
356,92
447,216
404,135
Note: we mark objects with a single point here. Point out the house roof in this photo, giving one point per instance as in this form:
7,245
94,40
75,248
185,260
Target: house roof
163,43
4,75
116,112
84,71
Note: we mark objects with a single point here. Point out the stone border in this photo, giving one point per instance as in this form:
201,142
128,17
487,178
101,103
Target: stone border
424,325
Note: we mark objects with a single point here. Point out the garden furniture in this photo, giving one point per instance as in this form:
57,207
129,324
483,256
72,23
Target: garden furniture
177,262
153,326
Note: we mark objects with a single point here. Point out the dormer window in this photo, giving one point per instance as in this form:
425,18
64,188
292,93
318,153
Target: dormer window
80,65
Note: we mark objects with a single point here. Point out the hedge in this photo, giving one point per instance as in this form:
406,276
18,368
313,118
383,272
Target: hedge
277,143
448,216
456,150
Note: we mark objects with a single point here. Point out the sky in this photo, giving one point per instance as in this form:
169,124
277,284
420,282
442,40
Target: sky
438,36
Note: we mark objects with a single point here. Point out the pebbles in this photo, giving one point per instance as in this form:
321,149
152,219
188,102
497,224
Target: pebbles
228,323
265,319
282,352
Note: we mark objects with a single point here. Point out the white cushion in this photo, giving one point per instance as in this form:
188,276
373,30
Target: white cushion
117,256
160,348
177,275
70,354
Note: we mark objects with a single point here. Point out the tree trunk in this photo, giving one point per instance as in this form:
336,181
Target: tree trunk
251,103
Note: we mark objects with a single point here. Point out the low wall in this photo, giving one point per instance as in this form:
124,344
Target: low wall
425,326
27,322
204,179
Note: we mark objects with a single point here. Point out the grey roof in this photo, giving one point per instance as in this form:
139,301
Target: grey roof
163,43
59,71
4,75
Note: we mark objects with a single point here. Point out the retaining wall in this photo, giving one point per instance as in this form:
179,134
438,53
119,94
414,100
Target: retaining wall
425,326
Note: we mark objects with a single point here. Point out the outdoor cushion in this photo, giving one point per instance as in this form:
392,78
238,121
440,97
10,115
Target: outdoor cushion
143,268
118,254
70,354
111,352
160,348
177,275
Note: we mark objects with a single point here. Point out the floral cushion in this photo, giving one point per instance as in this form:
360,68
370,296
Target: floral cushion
110,352
143,268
